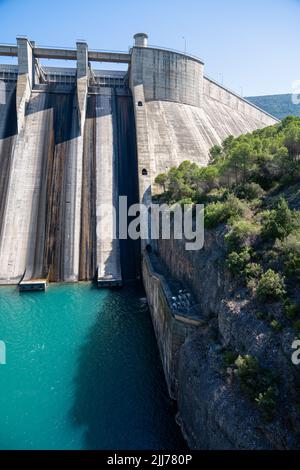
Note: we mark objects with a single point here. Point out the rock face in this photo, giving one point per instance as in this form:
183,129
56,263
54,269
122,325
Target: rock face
213,410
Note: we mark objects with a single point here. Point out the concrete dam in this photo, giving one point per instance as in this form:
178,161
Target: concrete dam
72,140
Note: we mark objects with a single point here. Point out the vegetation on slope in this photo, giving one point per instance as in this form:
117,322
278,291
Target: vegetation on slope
250,184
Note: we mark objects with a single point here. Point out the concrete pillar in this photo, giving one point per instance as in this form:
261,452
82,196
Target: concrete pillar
144,156
25,77
141,39
82,80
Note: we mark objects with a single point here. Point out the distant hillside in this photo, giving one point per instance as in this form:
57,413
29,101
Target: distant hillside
279,106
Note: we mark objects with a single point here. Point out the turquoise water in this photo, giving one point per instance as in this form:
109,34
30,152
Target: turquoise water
82,372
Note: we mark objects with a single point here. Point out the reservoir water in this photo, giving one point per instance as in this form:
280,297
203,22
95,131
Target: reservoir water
82,372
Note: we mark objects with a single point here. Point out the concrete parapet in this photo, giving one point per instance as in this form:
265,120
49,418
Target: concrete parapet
167,75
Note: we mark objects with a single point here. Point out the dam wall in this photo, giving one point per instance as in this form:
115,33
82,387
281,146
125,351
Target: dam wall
73,139
57,170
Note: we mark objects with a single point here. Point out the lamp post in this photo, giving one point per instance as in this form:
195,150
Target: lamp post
184,38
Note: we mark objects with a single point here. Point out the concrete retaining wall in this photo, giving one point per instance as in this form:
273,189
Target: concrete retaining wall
170,332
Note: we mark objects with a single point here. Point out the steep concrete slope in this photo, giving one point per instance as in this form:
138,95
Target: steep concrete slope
8,131
17,249
100,250
180,132
56,257
41,220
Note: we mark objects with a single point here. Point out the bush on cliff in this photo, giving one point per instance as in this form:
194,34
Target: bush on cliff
271,286
289,249
252,271
291,310
220,212
266,402
242,233
279,222
237,262
249,191
258,384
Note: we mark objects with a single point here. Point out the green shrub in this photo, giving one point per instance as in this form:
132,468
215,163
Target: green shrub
236,208
237,262
279,222
161,180
247,370
261,315
290,251
271,286
249,191
296,326
220,212
185,201
215,153
228,358
253,271
276,325
266,402
214,214
257,383
217,195
271,255
291,310
242,233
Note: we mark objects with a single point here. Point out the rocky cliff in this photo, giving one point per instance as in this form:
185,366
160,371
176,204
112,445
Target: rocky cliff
214,411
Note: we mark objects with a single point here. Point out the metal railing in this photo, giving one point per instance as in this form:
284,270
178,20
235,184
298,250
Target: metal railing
108,81
168,49
8,76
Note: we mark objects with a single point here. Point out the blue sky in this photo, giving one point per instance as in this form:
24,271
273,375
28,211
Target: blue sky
250,46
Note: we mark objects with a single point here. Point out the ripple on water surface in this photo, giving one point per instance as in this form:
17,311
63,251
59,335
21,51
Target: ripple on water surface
82,372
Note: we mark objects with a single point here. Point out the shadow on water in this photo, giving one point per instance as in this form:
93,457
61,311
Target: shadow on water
120,397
